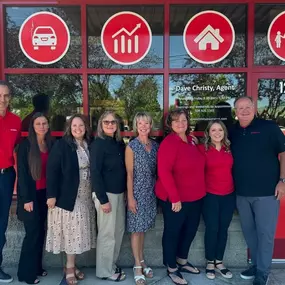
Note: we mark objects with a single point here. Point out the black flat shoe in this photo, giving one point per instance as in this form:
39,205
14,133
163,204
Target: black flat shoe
183,269
178,274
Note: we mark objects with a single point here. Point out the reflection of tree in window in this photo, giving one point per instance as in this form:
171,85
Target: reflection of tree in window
264,15
180,15
64,91
129,95
203,104
96,18
271,103
71,16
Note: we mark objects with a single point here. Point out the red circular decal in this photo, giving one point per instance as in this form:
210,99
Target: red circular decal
44,38
209,37
276,36
126,38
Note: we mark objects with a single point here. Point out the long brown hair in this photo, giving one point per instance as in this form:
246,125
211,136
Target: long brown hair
225,141
68,134
34,156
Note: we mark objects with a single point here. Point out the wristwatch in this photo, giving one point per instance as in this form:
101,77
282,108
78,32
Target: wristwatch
282,180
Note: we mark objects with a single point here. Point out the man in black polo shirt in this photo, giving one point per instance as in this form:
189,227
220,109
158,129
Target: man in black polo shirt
259,179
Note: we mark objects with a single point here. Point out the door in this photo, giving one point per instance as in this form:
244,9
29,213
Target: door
268,90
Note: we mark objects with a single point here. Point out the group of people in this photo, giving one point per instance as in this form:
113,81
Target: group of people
64,181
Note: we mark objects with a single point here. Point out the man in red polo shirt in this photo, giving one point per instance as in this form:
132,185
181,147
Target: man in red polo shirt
10,127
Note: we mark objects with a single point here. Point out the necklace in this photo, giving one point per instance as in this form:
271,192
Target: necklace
145,144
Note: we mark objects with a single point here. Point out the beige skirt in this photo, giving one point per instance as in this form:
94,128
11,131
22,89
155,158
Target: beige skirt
73,232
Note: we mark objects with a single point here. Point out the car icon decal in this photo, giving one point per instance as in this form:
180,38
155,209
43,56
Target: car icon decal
44,36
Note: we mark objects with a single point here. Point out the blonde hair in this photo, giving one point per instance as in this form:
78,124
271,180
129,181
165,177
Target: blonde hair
100,131
141,116
225,141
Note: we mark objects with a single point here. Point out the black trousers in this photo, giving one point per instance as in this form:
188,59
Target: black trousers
179,230
7,180
30,264
217,213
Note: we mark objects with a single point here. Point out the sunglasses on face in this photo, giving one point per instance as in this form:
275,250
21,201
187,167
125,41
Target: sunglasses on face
107,123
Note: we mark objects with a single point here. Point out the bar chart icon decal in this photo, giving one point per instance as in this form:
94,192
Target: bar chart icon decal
120,40
126,38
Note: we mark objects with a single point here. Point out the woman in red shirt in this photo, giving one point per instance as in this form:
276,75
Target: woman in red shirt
32,158
180,188
219,203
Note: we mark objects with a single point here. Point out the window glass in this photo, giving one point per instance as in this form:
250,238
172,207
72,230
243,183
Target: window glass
179,17
96,18
271,100
64,95
206,96
15,16
264,15
126,95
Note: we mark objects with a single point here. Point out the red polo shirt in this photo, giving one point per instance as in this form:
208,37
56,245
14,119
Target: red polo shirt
10,133
180,171
218,170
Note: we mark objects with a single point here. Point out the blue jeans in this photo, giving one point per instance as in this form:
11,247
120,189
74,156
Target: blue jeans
7,181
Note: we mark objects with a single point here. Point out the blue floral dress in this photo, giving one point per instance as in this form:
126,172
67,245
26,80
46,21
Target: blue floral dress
143,187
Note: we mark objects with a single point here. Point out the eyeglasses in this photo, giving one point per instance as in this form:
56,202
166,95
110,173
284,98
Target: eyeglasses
107,123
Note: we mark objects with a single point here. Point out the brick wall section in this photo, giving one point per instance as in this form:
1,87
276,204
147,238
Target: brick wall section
236,253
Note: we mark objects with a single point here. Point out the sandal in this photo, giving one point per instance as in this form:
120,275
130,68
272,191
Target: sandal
42,273
70,276
139,279
147,271
224,272
210,273
183,269
121,276
177,274
79,274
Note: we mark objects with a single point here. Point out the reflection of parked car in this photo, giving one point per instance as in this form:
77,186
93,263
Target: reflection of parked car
44,36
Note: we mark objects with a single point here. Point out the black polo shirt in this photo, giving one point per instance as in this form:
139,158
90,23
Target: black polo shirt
255,149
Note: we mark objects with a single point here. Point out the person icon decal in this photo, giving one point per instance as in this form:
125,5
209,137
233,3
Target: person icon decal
278,39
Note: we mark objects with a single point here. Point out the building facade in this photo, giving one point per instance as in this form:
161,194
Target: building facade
192,54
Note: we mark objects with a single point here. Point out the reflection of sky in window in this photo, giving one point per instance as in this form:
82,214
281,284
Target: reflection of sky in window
115,82
19,15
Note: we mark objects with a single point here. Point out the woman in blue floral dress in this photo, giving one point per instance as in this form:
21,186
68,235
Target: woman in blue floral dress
141,168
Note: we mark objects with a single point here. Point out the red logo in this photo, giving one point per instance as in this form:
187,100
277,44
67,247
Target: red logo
276,36
126,38
209,37
44,38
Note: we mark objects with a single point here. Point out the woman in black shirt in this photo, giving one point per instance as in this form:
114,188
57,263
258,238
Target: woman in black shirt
108,177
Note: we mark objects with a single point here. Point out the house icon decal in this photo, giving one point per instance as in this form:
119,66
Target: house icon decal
209,36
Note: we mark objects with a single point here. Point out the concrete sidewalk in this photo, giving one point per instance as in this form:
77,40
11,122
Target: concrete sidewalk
54,277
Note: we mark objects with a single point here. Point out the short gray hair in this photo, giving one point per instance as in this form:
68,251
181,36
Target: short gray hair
100,132
243,97
141,116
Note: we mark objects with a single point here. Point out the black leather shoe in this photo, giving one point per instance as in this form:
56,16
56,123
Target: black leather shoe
4,277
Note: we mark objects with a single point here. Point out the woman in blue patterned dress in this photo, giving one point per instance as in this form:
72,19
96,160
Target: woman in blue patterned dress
141,168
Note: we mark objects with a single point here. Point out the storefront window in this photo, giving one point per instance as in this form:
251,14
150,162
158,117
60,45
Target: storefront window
96,18
271,100
15,16
179,17
64,92
264,15
206,96
126,95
